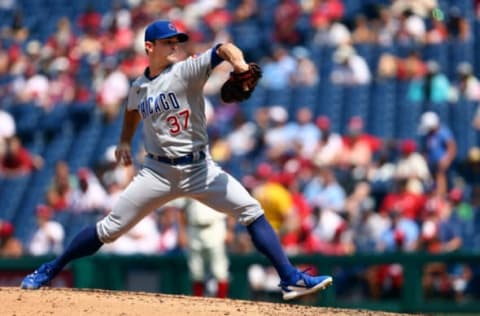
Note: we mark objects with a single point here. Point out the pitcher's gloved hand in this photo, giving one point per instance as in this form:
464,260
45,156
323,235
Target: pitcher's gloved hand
240,86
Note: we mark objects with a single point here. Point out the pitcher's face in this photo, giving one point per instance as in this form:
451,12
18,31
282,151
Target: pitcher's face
163,50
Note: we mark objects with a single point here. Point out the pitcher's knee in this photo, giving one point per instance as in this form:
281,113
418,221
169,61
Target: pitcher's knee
250,215
109,229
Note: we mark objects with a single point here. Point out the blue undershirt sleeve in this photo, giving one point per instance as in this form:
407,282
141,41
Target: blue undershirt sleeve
215,59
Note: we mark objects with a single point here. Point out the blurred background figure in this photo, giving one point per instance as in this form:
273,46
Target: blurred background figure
275,199
7,125
112,89
89,195
50,234
439,147
142,239
10,246
358,146
432,88
206,238
278,69
350,68
306,73
171,239
329,144
413,166
278,139
18,160
466,86
63,183
303,132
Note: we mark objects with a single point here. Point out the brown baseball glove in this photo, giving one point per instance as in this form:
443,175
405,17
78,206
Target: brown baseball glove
240,86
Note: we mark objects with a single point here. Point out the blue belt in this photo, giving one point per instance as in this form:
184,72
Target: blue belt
184,160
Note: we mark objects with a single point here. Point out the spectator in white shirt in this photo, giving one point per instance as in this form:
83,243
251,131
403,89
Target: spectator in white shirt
329,144
112,90
467,85
49,237
412,165
90,196
350,68
141,239
7,125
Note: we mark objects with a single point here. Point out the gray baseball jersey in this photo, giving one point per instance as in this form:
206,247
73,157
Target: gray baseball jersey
174,125
172,107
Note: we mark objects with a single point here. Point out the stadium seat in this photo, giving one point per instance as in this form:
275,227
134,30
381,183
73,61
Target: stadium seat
257,99
57,146
27,117
278,97
459,51
355,102
368,52
82,149
382,108
250,37
11,195
78,221
329,103
476,29
441,108
25,217
460,123
81,114
437,52
52,121
407,113
302,96
406,120
110,132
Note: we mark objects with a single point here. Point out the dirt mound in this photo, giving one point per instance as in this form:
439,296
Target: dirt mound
68,302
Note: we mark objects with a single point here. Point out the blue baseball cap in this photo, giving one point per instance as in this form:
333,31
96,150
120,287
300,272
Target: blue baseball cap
162,29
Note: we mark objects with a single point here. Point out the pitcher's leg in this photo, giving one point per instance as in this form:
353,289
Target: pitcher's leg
214,187
141,196
224,193
84,244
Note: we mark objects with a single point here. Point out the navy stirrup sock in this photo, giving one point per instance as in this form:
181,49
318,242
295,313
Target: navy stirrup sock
84,244
266,241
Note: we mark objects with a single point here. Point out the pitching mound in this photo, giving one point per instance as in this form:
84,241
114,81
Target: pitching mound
67,302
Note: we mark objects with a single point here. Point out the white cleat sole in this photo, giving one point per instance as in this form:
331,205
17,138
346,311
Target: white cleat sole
300,292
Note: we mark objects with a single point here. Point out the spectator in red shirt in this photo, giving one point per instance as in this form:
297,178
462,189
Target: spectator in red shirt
133,64
411,67
117,38
63,40
9,245
358,146
409,204
90,20
287,14
328,10
17,160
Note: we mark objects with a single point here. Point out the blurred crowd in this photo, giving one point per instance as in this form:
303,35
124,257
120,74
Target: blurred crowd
324,190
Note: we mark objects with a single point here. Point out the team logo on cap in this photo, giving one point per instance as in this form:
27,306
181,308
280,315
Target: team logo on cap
172,27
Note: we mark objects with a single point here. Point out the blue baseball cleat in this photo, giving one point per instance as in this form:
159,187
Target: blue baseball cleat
302,284
39,277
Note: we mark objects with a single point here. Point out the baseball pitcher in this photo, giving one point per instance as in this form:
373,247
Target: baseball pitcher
168,98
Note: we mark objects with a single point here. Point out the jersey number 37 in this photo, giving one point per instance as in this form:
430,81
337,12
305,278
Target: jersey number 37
178,121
